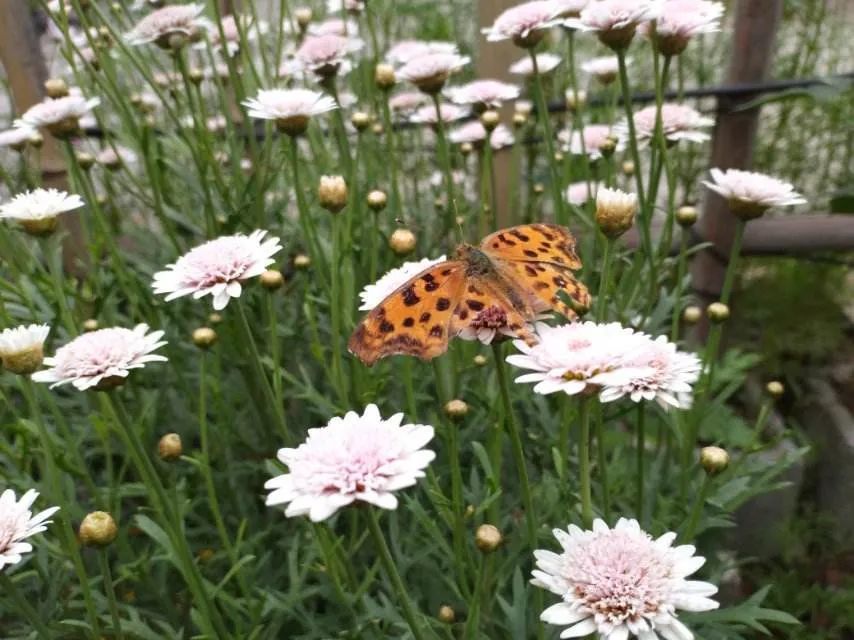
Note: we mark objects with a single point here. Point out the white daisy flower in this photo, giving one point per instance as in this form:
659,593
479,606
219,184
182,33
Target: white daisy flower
22,348
17,523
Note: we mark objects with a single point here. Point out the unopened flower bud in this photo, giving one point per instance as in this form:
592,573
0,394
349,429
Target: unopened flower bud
302,261
56,88
469,512
487,538
490,119
90,324
98,529
377,129
714,460
36,139
717,312
272,279
84,160
204,337
214,318
519,120
377,200
169,448
575,100
686,216
25,359
446,614
466,148
608,147
384,76
539,188
360,120
692,314
206,555
525,107
480,360
303,16
615,211
174,41
456,408
558,156
775,389
332,193
196,75
402,241
628,168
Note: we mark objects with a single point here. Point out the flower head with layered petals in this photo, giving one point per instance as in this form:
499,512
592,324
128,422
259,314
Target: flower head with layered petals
578,193
483,94
402,52
750,194
546,62
160,25
22,348
475,133
621,582
17,523
448,112
292,109
681,20
590,141
102,358
17,138
355,458
217,268
429,72
327,55
605,69
40,204
59,115
678,122
615,21
525,23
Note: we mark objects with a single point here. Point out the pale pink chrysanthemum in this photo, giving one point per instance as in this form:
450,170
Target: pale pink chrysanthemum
449,113
430,72
655,370
615,21
595,137
681,20
572,358
621,582
18,138
115,157
578,193
161,24
546,62
678,122
354,7
58,115
327,55
525,24
355,458
570,8
605,69
17,523
474,133
483,94
40,204
102,358
232,26
290,108
402,52
217,268
750,194
407,101
373,294
334,26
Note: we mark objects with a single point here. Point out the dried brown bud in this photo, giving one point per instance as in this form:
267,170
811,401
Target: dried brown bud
204,337
714,460
487,538
56,88
456,408
98,529
272,279
384,76
446,614
332,193
686,216
169,448
402,241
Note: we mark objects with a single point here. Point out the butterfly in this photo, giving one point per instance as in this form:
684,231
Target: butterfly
512,277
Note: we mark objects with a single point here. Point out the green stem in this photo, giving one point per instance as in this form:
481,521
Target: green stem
107,576
584,464
445,159
599,433
22,605
602,298
543,116
641,450
697,509
390,568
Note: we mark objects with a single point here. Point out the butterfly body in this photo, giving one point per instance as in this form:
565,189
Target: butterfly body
499,286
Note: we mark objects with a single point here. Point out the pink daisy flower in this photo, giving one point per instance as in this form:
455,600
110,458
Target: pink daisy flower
327,55
595,137
570,8
546,62
374,294
292,109
334,26
621,582
102,359
354,7
474,133
615,21
60,116
678,122
605,69
17,523
750,194
402,52
217,268
525,24
578,193
430,72
407,101
17,138
357,458
483,94
681,20
449,113
174,20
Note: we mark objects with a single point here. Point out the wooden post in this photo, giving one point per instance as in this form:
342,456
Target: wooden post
21,57
734,138
493,61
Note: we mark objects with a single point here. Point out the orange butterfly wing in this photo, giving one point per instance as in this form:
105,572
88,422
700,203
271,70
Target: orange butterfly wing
414,320
538,259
